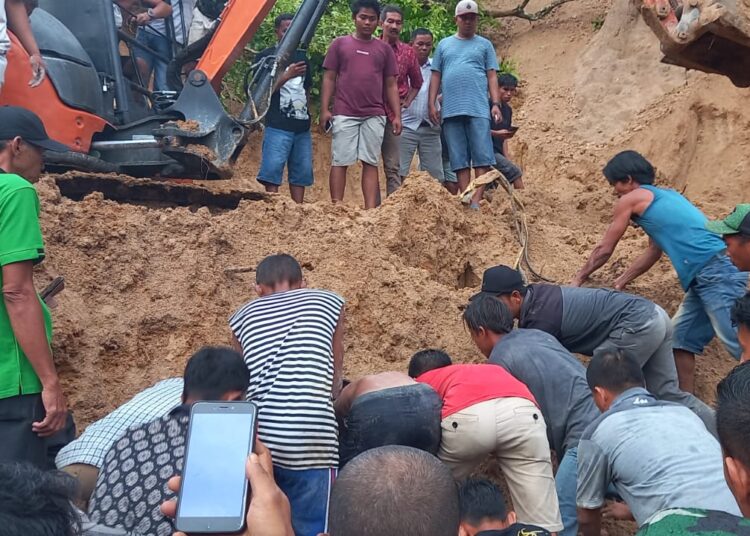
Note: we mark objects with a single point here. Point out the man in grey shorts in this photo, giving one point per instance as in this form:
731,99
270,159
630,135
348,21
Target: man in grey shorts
589,321
388,408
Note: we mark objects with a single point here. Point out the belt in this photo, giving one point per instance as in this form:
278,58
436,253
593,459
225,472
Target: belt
425,124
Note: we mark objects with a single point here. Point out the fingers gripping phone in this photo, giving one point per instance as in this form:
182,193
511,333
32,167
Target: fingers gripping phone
213,491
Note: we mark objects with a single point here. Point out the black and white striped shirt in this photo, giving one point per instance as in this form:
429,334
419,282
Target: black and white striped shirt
287,343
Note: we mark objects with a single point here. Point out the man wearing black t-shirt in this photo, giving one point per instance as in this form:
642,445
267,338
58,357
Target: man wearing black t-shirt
502,131
286,140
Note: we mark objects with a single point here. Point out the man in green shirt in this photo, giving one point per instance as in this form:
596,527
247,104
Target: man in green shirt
32,404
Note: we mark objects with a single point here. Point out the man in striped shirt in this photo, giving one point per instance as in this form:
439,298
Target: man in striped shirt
292,341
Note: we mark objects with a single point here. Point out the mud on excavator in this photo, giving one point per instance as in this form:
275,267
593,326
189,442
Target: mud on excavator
117,125
706,35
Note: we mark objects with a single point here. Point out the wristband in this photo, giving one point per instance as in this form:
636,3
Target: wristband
498,104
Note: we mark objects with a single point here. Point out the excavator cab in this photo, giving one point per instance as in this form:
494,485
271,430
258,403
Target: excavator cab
706,35
113,123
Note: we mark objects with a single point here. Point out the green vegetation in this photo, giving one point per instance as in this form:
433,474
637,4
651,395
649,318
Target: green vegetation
597,23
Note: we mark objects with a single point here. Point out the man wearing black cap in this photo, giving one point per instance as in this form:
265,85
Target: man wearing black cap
32,404
589,321
735,230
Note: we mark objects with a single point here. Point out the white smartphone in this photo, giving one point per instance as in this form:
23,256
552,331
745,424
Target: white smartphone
213,492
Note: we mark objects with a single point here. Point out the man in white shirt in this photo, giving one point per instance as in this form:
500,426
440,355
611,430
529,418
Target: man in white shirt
4,43
419,134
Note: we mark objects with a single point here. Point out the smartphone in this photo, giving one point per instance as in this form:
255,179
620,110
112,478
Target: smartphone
57,285
328,126
213,492
513,128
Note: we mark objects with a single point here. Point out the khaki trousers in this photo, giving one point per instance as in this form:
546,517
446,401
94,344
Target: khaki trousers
391,159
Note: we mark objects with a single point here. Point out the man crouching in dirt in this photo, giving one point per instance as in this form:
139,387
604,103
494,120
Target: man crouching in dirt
292,339
673,224
735,231
32,404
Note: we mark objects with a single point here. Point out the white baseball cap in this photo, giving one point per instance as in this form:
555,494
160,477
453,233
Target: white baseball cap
466,6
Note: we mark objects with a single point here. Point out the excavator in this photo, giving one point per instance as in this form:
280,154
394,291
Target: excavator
114,124
706,35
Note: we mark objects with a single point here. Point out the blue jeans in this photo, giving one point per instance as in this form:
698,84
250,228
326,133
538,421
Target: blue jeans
566,482
706,309
159,44
469,142
284,148
309,492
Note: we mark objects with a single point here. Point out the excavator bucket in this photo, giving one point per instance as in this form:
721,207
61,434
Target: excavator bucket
706,35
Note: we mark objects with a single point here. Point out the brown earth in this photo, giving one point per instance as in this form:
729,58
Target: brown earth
148,285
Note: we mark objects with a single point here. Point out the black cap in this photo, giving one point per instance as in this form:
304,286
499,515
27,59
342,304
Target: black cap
500,280
17,121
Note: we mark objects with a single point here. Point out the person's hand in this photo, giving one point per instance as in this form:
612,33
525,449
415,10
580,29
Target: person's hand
497,116
617,510
141,19
294,70
38,69
434,114
576,282
620,283
325,117
396,126
56,411
506,134
269,513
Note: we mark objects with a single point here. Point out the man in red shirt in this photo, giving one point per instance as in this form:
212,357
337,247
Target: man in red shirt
485,411
409,80
361,72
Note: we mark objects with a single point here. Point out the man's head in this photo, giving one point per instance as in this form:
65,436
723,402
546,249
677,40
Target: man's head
35,502
23,141
735,230
741,318
508,85
482,507
488,319
421,42
365,14
627,170
281,24
467,17
610,373
506,284
733,425
215,373
427,360
278,273
392,22
394,490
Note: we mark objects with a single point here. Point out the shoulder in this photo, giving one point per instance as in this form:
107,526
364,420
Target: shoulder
11,183
326,295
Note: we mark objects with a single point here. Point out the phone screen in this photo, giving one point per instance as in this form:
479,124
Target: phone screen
214,486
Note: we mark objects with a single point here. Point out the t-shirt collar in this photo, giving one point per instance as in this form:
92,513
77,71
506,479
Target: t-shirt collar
633,396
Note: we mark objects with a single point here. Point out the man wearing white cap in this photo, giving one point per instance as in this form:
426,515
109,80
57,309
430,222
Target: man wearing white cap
464,70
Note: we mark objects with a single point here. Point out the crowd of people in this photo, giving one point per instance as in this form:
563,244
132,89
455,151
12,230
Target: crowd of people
394,452
382,98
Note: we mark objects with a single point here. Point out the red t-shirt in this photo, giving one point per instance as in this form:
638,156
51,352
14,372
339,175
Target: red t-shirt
362,67
461,386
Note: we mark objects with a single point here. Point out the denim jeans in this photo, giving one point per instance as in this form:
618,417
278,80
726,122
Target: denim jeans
284,148
706,309
469,142
161,45
408,416
566,482
309,494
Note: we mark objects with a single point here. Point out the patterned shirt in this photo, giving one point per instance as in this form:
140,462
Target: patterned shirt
132,482
695,521
152,403
409,74
287,343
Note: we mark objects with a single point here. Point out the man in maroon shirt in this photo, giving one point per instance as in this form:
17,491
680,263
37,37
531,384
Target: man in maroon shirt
485,411
361,71
409,80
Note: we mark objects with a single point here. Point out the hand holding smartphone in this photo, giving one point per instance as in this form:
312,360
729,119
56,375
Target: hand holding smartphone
214,489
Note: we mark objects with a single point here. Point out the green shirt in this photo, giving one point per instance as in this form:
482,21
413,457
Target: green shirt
20,240
681,521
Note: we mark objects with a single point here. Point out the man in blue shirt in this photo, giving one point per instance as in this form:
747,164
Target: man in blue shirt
674,225
464,70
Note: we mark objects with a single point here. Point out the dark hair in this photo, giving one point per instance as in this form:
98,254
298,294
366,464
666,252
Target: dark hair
507,80
276,269
35,502
489,313
480,499
733,413
390,8
427,360
405,490
420,31
614,370
358,5
629,164
281,18
741,311
213,371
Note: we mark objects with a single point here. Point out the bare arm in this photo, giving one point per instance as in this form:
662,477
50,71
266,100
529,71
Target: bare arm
590,521
236,344
494,90
640,266
343,402
415,82
432,97
292,71
27,321
18,23
394,103
326,92
338,356
604,249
